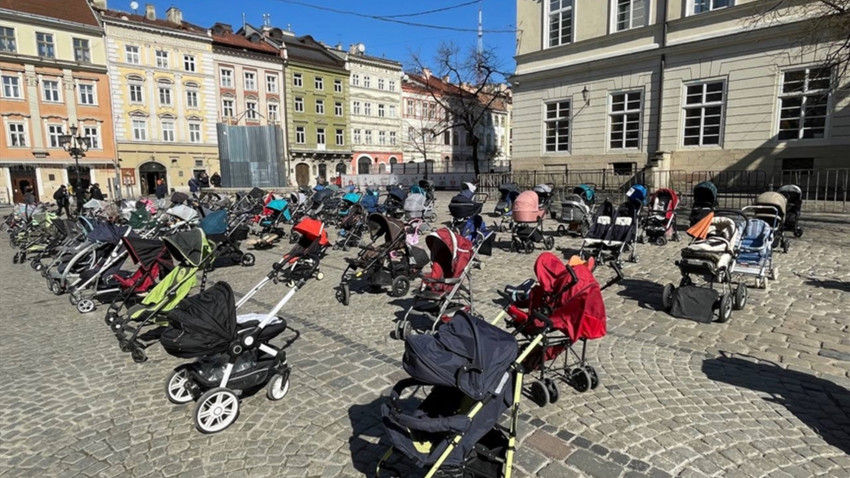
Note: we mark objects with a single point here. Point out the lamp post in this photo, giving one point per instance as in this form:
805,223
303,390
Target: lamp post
76,146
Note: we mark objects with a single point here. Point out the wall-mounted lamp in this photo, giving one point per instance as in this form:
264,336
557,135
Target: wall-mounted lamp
584,95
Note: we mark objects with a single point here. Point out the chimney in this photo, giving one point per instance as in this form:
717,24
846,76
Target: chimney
150,11
426,73
446,79
352,49
174,15
98,4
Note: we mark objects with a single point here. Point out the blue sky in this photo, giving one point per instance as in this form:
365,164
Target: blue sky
393,40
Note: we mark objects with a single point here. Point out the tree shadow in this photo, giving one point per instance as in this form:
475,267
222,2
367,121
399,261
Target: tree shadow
821,404
646,293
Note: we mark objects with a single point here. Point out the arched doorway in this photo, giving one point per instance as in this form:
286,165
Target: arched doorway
340,168
323,172
79,177
364,165
302,174
149,173
23,177
393,162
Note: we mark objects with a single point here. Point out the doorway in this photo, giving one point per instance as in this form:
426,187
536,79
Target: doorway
79,177
149,173
323,173
22,178
302,174
364,165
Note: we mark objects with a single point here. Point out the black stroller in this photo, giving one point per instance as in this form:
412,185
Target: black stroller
794,196
394,203
227,235
464,206
705,200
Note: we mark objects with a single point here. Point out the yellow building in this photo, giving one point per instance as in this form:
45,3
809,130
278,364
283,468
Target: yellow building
164,100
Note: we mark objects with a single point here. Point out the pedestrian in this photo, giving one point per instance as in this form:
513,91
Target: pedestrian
160,191
95,192
29,197
204,180
63,199
80,195
216,180
194,186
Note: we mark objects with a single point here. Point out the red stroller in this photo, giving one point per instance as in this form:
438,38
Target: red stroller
660,220
154,263
566,307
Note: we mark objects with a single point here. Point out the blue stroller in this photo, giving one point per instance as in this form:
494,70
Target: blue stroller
755,257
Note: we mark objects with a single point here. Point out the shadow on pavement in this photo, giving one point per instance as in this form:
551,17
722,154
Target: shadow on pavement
646,293
368,442
828,284
820,404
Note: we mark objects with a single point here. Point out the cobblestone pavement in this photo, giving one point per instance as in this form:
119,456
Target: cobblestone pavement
765,394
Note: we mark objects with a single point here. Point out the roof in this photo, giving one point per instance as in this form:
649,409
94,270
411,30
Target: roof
435,84
76,11
239,41
185,27
306,49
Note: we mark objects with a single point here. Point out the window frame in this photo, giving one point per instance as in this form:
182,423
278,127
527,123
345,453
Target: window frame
355,79
338,111
22,135
356,108
355,136
273,117
7,40
194,128
319,83
381,84
624,113
302,132
367,81
804,95
382,110
173,136
132,54
163,92
298,104
547,23
46,41
703,105
393,138
136,130
231,107
189,61
80,94
54,136
320,106
131,84
337,86
297,80
192,92
391,85
367,136
82,50
162,56
252,114
272,86
228,76
57,91
614,21
249,84
321,136
546,122
692,5
340,137
367,108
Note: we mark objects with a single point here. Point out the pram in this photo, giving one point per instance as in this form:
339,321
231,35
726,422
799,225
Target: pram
529,210
394,202
711,255
508,193
576,211
88,260
416,207
755,257
565,307
227,234
465,205
794,197
611,235
389,260
705,200
472,374
270,226
154,264
766,206
660,220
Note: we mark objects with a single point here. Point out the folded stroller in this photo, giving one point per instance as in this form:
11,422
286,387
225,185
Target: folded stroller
705,200
227,234
768,205
711,255
565,307
755,257
660,220
508,193
529,210
389,260
576,211
471,373
794,197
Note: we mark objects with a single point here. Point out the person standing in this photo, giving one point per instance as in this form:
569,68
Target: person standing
215,179
95,192
160,191
194,187
80,195
63,200
29,197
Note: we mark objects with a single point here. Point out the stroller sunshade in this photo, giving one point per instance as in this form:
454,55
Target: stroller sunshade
204,324
312,229
106,233
145,251
705,193
380,225
183,212
277,205
215,223
190,247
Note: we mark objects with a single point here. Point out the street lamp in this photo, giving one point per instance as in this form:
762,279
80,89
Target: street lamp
76,146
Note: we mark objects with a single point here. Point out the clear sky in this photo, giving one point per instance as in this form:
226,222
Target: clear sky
381,38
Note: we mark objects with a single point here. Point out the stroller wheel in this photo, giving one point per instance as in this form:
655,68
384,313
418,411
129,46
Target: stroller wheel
400,286
548,243
248,259
85,306
74,298
774,273
552,388
56,287
661,241
667,296
432,217
216,410
580,379
38,266
594,377
562,231
343,295
15,257
278,386
798,232
139,355
724,310
177,389
539,393
529,247
740,296
33,263
320,275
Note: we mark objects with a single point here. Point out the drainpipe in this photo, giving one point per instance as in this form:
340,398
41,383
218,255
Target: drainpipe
662,64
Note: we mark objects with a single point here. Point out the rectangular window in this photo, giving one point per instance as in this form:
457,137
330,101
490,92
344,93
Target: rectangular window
227,108
368,135
320,135
45,45
355,80
136,94
274,115
382,137
191,98
300,136
409,109
337,109
50,90
392,111
271,83
7,40
393,138
804,103
340,137
392,85
320,107
630,14
165,96
226,77
250,81
560,22
703,113
299,105
356,136
625,120
140,130
194,132
87,95
367,109
161,59
82,53
53,133
337,86
131,54
17,135
702,6
411,133
168,131
355,108
380,83
558,126
189,62
251,110
381,111
319,83
297,80
367,82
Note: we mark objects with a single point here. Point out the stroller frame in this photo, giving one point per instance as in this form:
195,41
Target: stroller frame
764,268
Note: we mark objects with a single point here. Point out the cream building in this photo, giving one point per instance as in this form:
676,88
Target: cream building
593,75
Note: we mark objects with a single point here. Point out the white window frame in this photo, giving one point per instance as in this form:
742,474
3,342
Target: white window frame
703,105
547,23
382,137
300,135
338,109
367,81
337,86
162,59
804,95
320,107
393,138
132,54
624,113
228,104
391,85
163,94
355,108
57,91
49,42
319,83
140,130
298,104
273,112
692,6
298,80
192,98
168,134
81,94
355,137
382,110
631,25
321,138
355,79
53,141
367,108
196,133
381,84
8,44
392,111
22,135
250,79
251,110
547,120
189,63
340,137
225,77
271,84
367,136
141,90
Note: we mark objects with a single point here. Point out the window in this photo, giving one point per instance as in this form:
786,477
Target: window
319,83
297,80
320,107
703,113
131,53
392,111
337,86
227,108
625,120
251,110
226,78
299,105
17,135
356,136
300,136
624,169
411,133
250,81
702,6
367,109
355,108
393,138
82,53
355,80
45,45
168,130
337,109
367,82
629,14
86,94
340,137
368,135
140,129
381,111
409,109
194,132
392,85
164,95
380,83
382,137
804,103
274,113
447,138
136,95
192,98
558,126
560,22
7,40
271,83
320,135
189,62
50,90
161,59
53,133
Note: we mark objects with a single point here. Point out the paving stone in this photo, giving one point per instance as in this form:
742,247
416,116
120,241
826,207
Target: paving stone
594,465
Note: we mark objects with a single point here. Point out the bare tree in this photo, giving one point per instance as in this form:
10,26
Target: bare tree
421,137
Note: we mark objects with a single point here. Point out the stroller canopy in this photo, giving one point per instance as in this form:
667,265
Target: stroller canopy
450,253
526,207
87,224
351,198
586,192
179,198
462,206
321,195
792,193
774,199
506,189
312,229
145,251
705,194
277,205
664,200
189,247
397,193
466,186
415,203
183,212
204,324
380,225
94,204
106,233
426,184
637,194
215,223
544,189
256,193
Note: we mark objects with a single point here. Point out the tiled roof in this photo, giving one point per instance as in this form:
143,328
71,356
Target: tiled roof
305,48
77,11
238,41
159,23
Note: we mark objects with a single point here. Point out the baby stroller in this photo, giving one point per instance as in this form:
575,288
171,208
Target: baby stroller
270,226
463,206
794,197
154,264
529,210
565,307
370,201
414,206
508,193
767,205
471,373
427,187
227,236
660,221
394,202
389,260
351,228
705,200
755,257
711,255
610,236
85,262
576,211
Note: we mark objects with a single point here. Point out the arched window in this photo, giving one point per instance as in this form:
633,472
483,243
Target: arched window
364,165
340,168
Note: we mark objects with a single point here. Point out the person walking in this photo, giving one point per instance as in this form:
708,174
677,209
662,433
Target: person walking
95,192
63,199
80,195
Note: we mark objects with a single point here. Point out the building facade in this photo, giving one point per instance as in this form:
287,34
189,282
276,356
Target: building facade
428,136
54,76
162,74
693,85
